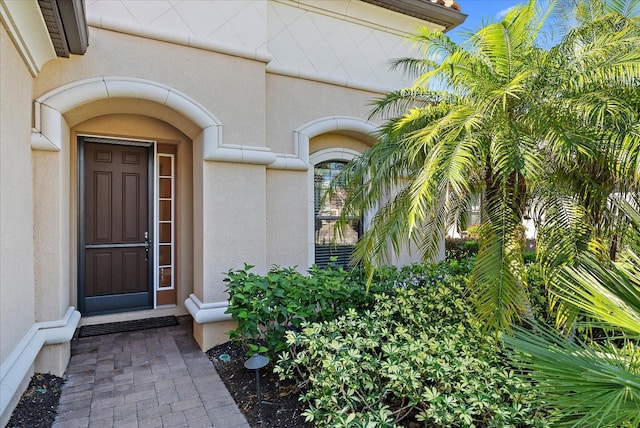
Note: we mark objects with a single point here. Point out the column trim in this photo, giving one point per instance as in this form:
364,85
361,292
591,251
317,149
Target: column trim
17,365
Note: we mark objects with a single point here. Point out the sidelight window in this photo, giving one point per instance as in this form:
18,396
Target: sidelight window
166,221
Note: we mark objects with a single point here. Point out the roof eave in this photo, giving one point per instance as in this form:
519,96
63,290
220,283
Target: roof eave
67,25
425,10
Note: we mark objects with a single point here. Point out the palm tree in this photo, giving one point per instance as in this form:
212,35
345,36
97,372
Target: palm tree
595,163
501,116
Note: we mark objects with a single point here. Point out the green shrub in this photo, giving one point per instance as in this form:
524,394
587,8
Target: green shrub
265,306
539,295
529,256
417,356
464,248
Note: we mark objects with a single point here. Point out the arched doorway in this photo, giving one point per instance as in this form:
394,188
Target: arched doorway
143,123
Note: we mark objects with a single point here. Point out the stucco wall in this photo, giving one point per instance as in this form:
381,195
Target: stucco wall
292,103
346,41
335,140
235,221
231,88
288,210
16,199
287,219
230,226
255,88
17,304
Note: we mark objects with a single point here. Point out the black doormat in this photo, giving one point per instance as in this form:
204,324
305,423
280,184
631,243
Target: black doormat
124,326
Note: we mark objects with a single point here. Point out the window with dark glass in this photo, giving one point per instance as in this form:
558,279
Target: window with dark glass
329,243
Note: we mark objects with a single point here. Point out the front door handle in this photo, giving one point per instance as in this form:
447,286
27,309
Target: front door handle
147,243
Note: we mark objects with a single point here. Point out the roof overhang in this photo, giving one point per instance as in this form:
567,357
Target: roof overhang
67,25
425,10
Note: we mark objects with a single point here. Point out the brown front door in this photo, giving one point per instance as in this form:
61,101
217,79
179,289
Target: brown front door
115,260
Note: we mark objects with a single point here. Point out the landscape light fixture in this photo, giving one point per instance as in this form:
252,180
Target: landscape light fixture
256,362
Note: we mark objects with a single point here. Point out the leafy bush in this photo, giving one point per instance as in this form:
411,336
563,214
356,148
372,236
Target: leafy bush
529,256
417,356
539,295
265,306
473,231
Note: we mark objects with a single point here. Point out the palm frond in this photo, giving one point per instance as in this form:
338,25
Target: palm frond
498,283
591,386
611,295
627,8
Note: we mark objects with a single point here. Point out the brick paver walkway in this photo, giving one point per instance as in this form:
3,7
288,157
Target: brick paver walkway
150,378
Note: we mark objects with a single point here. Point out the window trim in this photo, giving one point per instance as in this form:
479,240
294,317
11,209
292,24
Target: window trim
324,155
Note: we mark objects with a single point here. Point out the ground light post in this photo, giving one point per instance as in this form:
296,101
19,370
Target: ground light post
256,362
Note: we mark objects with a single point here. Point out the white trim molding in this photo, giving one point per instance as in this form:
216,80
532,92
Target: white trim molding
17,365
299,161
49,122
50,108
179,39
26,27
203,313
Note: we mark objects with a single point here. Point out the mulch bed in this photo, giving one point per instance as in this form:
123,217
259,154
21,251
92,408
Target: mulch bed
280,405
37,407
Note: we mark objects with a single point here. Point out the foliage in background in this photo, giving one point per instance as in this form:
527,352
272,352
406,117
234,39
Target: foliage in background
458,249
599,64
541,309
416,356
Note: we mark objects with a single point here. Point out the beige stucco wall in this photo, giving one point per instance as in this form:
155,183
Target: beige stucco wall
348,41
52,234
238,212
17,303
258,69
229,87
235,219
292,103
233,90
16,213
287,219
52,253
333,140
289,215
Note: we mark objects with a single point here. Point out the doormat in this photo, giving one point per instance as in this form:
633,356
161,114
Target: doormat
125,326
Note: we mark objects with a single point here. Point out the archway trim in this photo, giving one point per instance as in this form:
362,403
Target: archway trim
301,136
49,124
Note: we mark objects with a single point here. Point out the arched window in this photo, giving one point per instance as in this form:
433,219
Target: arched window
328,242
